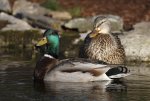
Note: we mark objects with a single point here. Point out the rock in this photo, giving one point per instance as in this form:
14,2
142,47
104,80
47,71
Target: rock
5,6
28,8
62,15
43,22
25,7
80,24
15,24
137,42
86,24
38,16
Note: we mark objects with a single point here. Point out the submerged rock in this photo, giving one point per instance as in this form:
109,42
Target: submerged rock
137,42
5,6
86,24
14,23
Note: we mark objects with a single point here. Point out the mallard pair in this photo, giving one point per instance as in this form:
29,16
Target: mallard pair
50,68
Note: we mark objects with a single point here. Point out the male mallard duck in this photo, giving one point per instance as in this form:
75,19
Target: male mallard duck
49,68
102,45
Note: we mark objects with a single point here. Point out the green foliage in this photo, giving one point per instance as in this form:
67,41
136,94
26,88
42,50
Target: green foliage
75,12
51,4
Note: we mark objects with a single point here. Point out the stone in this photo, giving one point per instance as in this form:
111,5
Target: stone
15,24
39,16
80,24
61,15
43,22
137,42
29,8
86,24
5,6
26,7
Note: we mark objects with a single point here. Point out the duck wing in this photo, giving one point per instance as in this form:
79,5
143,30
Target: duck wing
95,68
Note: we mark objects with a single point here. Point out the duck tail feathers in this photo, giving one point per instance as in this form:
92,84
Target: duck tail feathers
118,72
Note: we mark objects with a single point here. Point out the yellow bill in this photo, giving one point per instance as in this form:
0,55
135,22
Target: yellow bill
43,41
93,34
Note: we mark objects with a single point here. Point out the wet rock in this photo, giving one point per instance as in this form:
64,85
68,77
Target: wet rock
86,24
137,42
5,6
27,8
14,23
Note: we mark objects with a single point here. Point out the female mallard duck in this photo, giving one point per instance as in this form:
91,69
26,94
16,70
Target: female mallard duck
49,68
102,45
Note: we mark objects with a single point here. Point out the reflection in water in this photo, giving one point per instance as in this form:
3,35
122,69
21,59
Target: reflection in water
91,91
16,83
117,85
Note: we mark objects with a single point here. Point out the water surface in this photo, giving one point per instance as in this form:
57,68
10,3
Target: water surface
16,80
16,84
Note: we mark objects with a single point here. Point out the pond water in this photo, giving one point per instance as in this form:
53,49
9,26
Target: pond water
16,82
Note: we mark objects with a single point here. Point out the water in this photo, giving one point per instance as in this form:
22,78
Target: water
16,82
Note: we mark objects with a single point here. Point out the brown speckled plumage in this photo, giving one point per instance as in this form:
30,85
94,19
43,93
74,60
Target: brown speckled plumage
105,47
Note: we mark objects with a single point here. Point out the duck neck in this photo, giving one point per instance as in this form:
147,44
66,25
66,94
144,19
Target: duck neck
53,51
53,46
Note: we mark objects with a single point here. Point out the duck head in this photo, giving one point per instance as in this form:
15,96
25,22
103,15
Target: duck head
101,26
49,44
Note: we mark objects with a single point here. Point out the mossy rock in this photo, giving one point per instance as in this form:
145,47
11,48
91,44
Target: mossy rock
18,38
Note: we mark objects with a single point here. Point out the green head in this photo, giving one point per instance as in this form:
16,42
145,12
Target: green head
50,43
